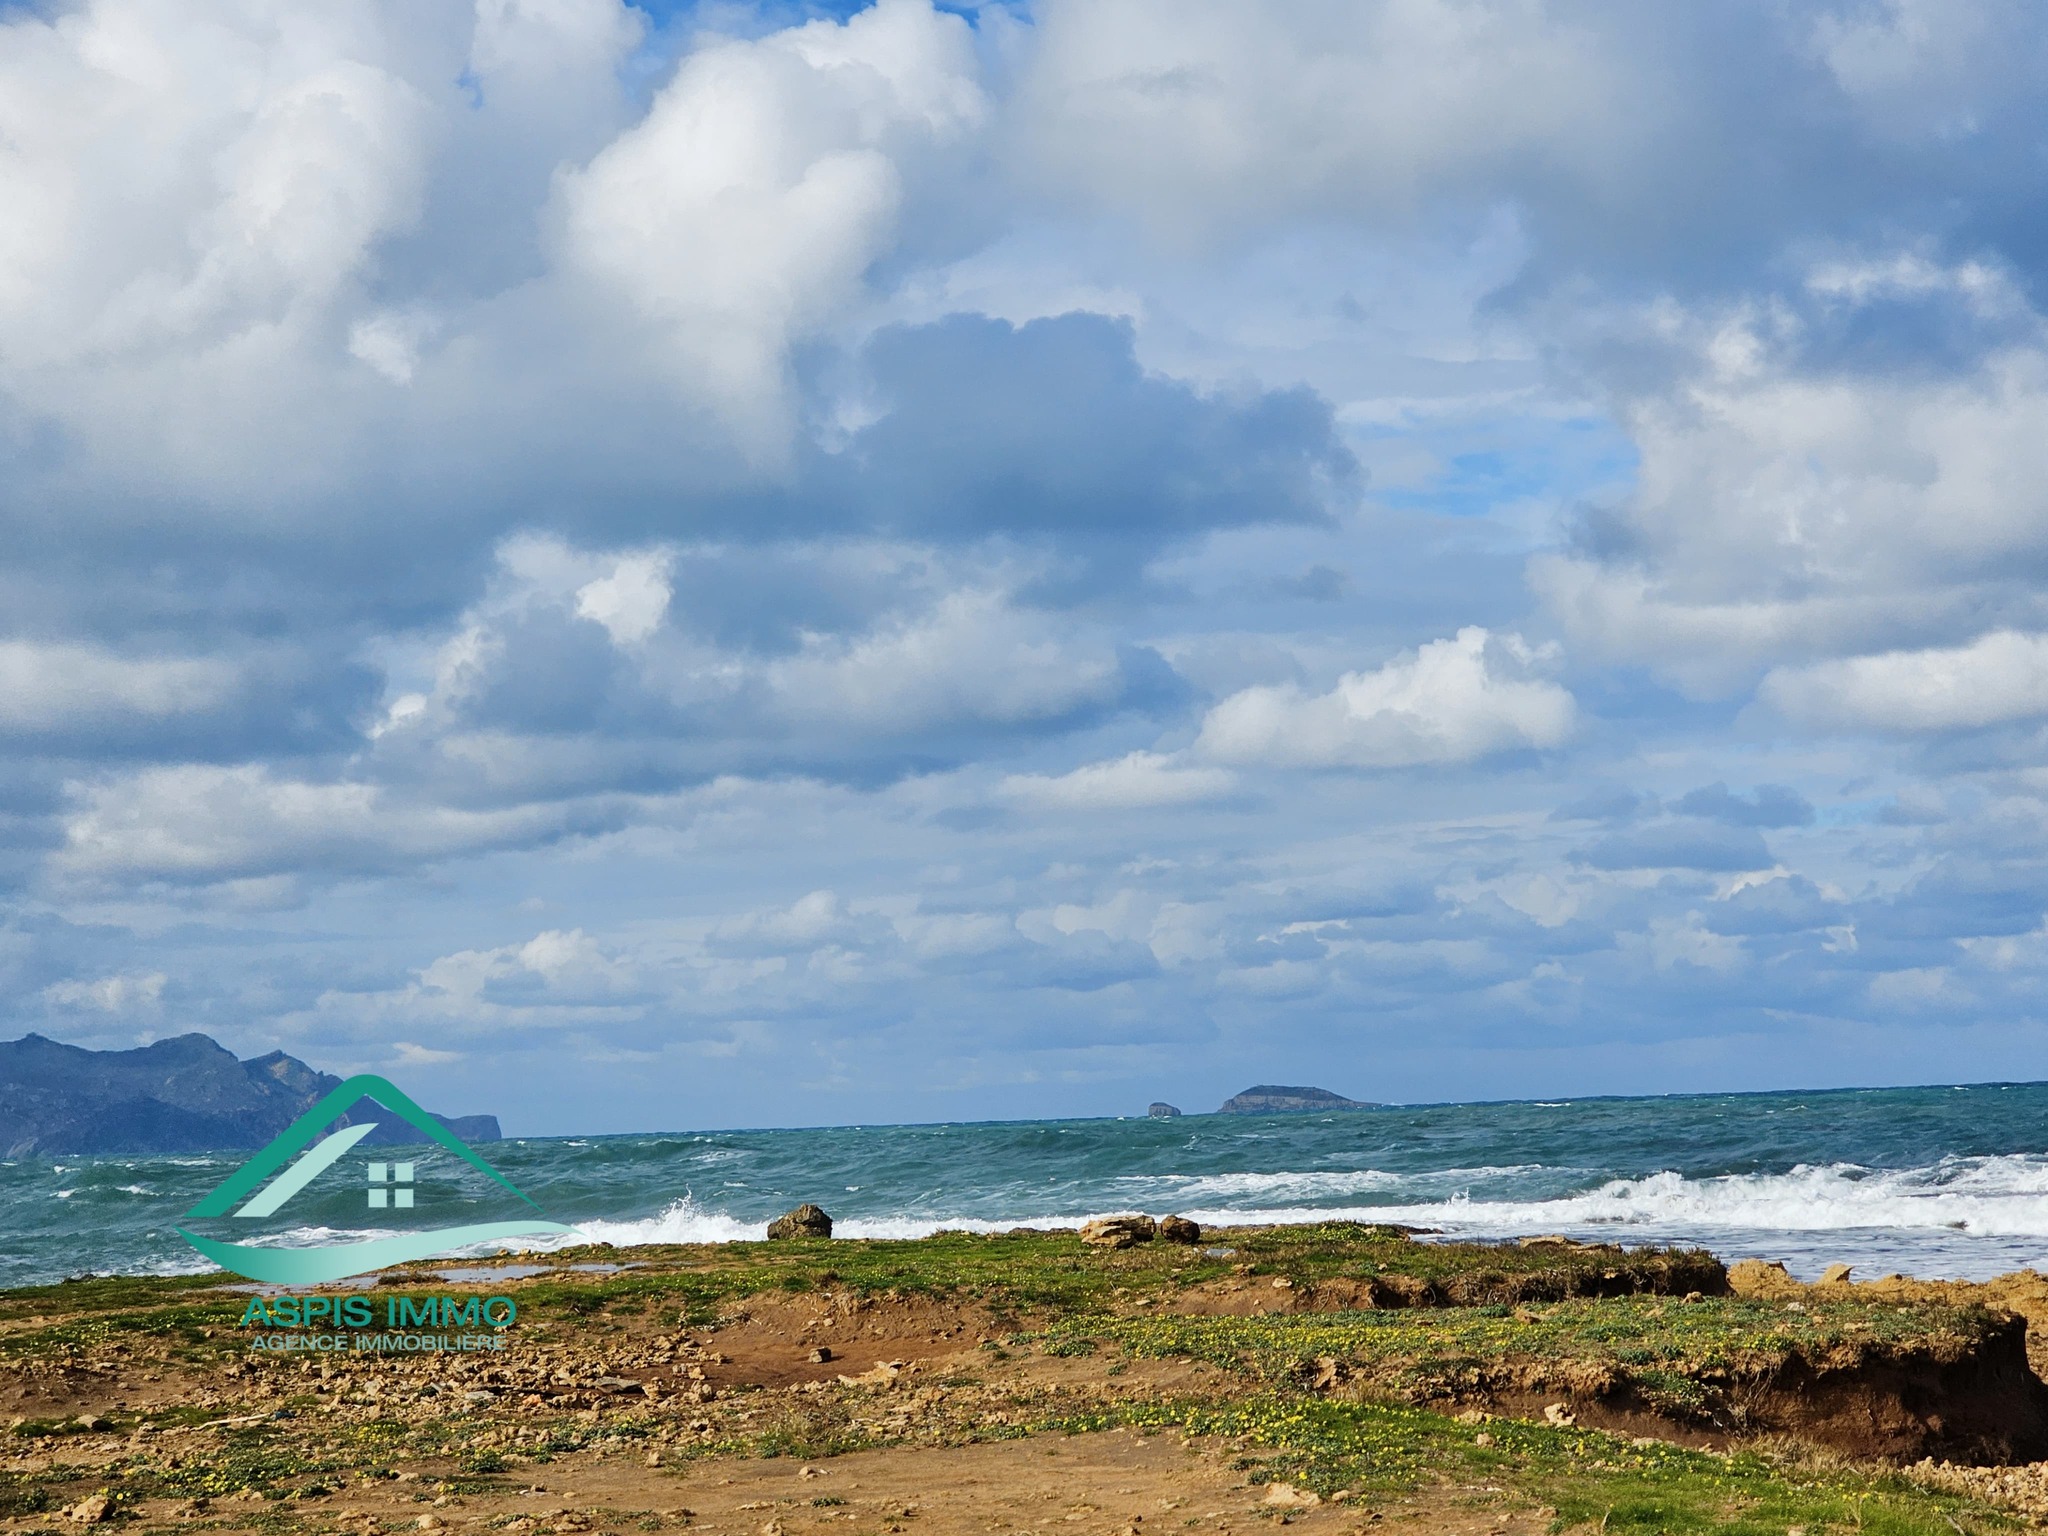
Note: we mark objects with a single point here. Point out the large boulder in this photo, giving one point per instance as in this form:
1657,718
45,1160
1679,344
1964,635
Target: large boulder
1178,1229
805,1221
1118,1231
1162,1111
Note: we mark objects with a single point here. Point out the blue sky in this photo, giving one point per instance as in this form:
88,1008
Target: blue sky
773,565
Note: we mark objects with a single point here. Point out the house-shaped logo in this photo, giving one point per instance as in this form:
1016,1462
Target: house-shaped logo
391,1187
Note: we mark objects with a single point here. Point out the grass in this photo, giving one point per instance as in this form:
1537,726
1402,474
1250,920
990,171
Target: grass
1032,1272
1677,1355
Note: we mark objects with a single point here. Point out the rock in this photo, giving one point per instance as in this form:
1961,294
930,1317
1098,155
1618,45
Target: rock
1159,1111
1118,1231
1559,1414
1273,1099
1482,1439
1548,1240
1178,1229
1287,1496
91,1510
805,1221
1754,1277
91,1421
821,1354
1836,1274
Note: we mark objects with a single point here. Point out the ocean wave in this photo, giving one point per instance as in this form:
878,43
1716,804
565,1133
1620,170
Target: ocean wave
2003,1196
1230,1189
1994,1197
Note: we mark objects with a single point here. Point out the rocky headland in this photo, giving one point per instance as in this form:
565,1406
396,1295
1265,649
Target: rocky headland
187,1094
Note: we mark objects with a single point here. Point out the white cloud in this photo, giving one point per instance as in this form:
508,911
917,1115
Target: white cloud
1203,114
132,993
971,656
186,171
741,214
1789,509
409,1054
632,601
1997,677
1133,782
1451,701
50,686
202,823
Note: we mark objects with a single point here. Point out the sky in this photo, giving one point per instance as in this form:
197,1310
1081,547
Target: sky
734,564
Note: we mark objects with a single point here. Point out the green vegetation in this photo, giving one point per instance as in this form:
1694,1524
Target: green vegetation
1676,1355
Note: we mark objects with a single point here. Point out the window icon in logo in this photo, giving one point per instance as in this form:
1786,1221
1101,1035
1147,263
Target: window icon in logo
382,1198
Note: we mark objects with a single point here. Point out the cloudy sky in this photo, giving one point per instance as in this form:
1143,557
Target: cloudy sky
666,567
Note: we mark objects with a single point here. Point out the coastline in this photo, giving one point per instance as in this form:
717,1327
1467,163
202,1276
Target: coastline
1318,1375
1939,1183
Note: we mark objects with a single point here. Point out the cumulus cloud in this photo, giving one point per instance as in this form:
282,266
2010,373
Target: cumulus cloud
1451,701
1798,498
740,214
1997,677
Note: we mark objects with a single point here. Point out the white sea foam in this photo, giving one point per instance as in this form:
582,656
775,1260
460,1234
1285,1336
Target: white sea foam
1963,1216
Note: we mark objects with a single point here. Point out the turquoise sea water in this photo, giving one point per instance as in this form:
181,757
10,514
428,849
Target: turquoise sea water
1927,1181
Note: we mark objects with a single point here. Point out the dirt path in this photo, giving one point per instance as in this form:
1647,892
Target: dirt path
1116,1483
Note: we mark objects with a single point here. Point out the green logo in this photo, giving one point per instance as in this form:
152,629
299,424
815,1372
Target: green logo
391,1186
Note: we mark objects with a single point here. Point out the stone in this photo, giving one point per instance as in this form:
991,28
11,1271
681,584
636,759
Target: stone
91,1421
1836,1274
91,1510
1755,1278
1118,1231
805,1221
1287,1496
1547,1240
1161,1111
1560,1414
821,1354
1178,1229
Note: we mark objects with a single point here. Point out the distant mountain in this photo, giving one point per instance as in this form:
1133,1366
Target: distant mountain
1270,1099
188,1094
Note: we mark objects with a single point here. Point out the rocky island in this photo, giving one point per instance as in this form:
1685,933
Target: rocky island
1272,1099
188,1094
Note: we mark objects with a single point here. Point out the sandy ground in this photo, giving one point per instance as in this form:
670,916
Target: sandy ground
1115,1483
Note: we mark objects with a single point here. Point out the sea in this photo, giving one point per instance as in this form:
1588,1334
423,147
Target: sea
1935,1182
